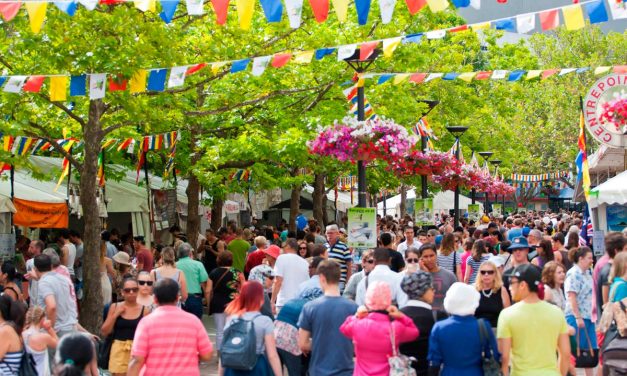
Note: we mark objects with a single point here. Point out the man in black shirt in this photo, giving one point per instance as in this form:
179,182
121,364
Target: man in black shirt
397,262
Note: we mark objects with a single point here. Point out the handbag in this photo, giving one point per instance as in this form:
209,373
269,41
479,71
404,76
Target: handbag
615,346
104,352
400,365
585,358
491,366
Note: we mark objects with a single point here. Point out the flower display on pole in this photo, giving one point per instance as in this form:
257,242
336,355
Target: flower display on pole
427,163
615,112
353,140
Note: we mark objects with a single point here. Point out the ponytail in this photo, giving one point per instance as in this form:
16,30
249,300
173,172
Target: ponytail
13,312
74,352
68,369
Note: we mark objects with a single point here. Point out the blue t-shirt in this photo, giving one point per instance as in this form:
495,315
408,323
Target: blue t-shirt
514,233
323,317
618,290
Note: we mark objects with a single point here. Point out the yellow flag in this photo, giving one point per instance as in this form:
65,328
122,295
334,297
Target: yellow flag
303,57
573,17
245,10
137,83
480,26
361,82
215,67
58,87
389,45
146,5
400,78
36,13
533,74
467,76
601,70
437,5
341,9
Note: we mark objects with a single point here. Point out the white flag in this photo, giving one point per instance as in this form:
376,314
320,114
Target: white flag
294,10
525,22
438,34
97,85
475,4
89,4
387,10
195,7
260,64
14,84
177,76
344,52
566,71
433,76
499,74
618,9
131,147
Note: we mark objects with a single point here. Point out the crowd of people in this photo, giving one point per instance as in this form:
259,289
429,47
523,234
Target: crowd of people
521,295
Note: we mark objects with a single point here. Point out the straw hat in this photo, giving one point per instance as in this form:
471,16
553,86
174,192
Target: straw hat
122,258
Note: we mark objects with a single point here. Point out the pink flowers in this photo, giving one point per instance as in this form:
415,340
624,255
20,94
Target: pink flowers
615,111
419,163
368,140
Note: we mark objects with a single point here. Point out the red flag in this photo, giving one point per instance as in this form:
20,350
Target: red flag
366,49
117,84
549,72
280,60
417,77
458,28
414,6
33,84
140,164
221,7
549,19
9,10
483,75
111,2
195,68
620,69
320,9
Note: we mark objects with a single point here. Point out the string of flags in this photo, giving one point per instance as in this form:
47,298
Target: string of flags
351,97
540,177
96,85
506,75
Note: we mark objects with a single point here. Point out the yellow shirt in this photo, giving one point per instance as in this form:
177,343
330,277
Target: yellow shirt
534,329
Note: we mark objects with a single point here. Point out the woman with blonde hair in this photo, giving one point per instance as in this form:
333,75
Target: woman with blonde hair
494,297
38,337
169,270
618,278
553,276
447,256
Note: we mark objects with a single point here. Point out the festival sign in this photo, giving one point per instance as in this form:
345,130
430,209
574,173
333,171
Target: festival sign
497,209
474,212
40,214
605,110
423,209
362,227
7,246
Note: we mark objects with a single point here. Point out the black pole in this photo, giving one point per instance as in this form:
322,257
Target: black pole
12,177
423,178
361,167
473,195
456,204
385,204
104,179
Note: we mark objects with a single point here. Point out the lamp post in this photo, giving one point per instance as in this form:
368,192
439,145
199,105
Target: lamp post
486,155
424,140
496,164
360,65
457,132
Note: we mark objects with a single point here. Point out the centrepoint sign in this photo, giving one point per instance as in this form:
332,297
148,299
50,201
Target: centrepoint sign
608,88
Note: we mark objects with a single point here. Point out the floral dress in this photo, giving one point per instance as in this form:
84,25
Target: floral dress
225,287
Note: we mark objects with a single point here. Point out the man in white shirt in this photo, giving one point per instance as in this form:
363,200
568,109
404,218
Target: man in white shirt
382,272
68,251
290,271
409,241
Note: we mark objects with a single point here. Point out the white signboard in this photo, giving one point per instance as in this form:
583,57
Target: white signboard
7,246
606,91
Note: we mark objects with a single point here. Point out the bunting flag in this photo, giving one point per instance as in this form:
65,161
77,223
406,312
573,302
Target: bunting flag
169,166
422,129
583,170
101,173
66,144
473,160
539,177
141,159
21,145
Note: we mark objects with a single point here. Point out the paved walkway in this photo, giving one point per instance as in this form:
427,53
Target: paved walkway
211,368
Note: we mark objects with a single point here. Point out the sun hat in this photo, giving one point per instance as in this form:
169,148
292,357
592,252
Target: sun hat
496,260
378,296
416,284
461,299
518,243
122,258
272,251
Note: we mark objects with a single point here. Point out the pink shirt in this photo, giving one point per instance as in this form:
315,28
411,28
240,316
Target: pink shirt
170,340
371,338
604,260
463,263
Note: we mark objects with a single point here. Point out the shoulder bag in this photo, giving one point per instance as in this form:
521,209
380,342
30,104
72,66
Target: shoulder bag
491,366
585,358
400,365
615,345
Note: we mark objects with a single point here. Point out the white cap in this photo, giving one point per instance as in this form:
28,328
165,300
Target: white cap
461,299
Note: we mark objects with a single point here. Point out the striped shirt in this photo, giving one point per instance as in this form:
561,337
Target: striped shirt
474,266
340,253
10,364
450,262
170,341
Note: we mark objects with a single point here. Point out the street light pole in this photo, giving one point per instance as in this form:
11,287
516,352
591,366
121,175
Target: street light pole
496,164
360,65
424,141
486,202
457,132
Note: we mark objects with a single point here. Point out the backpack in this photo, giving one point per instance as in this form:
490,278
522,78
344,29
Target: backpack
615,345
239,345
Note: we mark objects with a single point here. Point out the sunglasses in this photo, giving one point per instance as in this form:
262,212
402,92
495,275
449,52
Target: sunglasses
303,247
131,290
486,272
141,283
370,261
412,260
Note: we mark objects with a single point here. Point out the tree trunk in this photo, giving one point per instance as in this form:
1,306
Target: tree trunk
193,218
216,213
325,213
319,198
403,201
91,309
294,206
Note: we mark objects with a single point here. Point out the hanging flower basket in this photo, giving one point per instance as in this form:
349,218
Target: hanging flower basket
422,163
615,112
353,140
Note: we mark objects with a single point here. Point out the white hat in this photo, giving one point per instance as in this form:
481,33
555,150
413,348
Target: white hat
546,220
498,261
461,299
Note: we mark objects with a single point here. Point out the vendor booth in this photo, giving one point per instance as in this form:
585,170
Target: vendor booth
608,203
442,202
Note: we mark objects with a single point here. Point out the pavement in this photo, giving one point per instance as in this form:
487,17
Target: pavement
210,368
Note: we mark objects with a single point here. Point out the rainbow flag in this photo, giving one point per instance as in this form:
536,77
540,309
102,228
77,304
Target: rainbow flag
583,170
101,174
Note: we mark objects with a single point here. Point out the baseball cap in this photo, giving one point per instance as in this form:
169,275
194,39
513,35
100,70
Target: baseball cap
518,243
530,274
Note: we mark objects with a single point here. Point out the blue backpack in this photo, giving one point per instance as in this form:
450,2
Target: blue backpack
239,345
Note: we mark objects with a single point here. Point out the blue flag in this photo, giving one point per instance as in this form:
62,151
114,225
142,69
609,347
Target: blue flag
168,8
384,78
78,85
596,11
67,7
239,65
324,52
2,79
461,3
450,76
586,233
516,75
156,80
507,24
363,9
273,9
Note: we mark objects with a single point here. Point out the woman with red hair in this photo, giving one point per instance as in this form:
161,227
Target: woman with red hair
246,306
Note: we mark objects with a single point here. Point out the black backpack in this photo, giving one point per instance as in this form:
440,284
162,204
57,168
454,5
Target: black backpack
239,345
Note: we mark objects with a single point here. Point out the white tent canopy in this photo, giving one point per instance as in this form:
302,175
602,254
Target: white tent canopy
444,200
611,192
343,198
